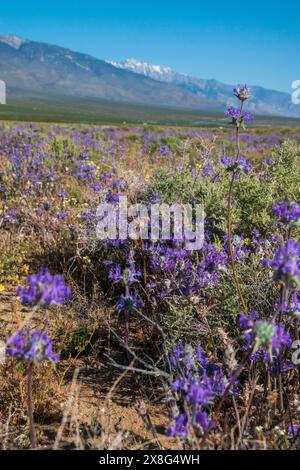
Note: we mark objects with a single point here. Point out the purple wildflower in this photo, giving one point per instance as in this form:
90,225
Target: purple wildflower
128,275
234,113
155,198
197,382
294,305
203,421
129,302
33,346
180,427
242,92
248,117
264,336
44,289
286,263
268,161
237,116
293,430
288,212
62,215
234,165
280,338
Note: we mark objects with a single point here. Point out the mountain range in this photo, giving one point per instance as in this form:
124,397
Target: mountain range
32,69
263,101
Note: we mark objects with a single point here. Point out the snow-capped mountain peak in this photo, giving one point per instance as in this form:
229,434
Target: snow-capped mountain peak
157,72
13,41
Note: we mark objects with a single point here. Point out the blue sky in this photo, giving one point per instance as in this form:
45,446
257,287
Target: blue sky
256,42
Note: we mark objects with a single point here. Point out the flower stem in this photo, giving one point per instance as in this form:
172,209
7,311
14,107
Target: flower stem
30,406
126,314
229,223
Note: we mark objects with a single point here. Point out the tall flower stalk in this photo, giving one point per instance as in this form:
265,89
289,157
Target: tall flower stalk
32,347
127,301
238,118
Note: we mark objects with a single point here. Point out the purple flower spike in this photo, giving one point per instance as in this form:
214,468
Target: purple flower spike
129,302
234,113
286,263
32,346
288,212
242,92
180,427
44,289
237,116
248,117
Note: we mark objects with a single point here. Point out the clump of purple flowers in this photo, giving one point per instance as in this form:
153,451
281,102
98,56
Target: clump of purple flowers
44,289
288,212
197,382
286,263
241,164
237,116
31,346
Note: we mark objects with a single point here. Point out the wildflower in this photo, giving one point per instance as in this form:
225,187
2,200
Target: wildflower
44,289
280,338
247,241
235,165
203,421
208,171
234,113
155,198
294,305
197,383
180,427
237,117
129,302
264,336
268,161
243,165
62,215
115,274
9,215
293,430
227,161
248,117
242,92
32,346
128,275
287,212
286,263
112,198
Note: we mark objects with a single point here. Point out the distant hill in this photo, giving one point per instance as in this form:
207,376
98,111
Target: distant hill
36,68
